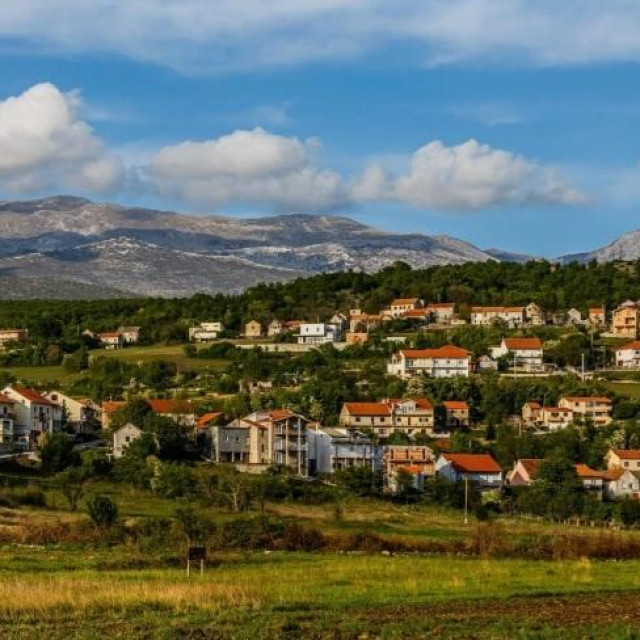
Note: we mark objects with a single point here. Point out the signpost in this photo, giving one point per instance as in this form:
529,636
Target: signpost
196,554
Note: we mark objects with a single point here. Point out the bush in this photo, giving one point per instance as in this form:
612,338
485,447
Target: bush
299,538
252,533
103,511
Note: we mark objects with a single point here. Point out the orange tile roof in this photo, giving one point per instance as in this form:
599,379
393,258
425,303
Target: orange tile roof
5,399
613,474
522,343
602,399
415,313
281,414
473,462
399,301
367,408
456,405
111,406
627,454
534,405
448,351
497,309
557,409
33,396
170,405
204,420
584,471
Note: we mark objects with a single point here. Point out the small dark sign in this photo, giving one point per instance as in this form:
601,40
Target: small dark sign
197,554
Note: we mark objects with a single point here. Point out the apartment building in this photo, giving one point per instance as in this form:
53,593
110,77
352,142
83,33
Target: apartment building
445,362
523,353
595,409
626,320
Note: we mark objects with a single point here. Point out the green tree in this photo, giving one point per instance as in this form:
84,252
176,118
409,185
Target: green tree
103,511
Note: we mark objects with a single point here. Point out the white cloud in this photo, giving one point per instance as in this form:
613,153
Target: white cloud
45,144
469,176
200,36
247,167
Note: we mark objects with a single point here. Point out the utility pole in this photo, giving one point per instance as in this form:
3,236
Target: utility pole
466,498
583,366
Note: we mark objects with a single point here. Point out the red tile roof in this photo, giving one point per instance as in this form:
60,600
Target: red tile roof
601,399
281,414
521,344
455,405
473,462
635,345
449,351
111,406
530,465
5,399
415,313
399,301
367,409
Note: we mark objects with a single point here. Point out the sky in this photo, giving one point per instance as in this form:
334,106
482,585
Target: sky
507,123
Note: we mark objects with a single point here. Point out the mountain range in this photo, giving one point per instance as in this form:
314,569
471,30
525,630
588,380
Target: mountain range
69,247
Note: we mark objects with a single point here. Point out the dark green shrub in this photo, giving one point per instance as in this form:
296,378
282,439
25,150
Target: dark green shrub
103,511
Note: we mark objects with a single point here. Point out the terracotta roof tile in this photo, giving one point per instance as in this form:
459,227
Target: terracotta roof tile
473,462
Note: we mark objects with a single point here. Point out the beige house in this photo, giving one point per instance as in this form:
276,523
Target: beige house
275,328
597,317
531,414
626,320
7,336
596,409
410,417
253,329
510,316
401,305
534,315
623,459
111,340
79,412
441,312
457,413
418,461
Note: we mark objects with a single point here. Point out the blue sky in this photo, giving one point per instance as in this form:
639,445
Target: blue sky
509,124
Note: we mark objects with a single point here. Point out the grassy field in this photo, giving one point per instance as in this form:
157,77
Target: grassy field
126,588
134,355
57,593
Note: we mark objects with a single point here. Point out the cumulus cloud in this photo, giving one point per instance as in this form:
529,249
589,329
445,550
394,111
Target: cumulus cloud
200,36
44,143
468,176
247,166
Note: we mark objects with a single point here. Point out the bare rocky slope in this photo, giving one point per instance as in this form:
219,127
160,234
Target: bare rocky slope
110,248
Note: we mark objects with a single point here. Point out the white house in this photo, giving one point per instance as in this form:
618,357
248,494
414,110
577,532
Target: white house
77,412
628,355
318,333
123,437
445,362
205,331
334,449
130,335
479,468
111,339
6,419
441,312
34,414
524,353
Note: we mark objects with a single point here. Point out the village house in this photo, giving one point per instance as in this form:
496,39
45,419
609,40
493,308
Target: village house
34,414
9,336
416,460
409,417
277,438
512,317
335,449
111,340
180,411
479,468
574,317
275,328
400,306
620,484
206,331
623,459
533,315
253,329
628,355
364,322
456,414
7,417
523,353
230,443
318,333
597,318
555,418
441,312
209,419
525,471
130,335
595,409
122,438
80,414
531,414
485,363
445,362
340,320
626,320
357,338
